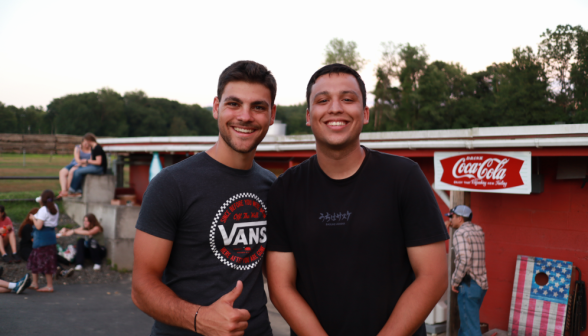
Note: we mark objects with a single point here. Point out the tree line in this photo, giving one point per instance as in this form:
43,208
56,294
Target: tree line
411,93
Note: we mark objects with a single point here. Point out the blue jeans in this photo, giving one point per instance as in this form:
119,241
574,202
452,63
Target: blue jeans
80,173
469,300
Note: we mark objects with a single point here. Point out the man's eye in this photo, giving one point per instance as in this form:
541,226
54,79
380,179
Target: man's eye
232,104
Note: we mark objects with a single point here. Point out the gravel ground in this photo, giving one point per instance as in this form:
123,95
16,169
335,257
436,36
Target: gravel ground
13,272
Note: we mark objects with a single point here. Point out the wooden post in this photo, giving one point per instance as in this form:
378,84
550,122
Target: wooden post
455,198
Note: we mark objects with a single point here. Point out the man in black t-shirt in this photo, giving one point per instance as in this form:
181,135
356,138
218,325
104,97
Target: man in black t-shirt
355,237
201,232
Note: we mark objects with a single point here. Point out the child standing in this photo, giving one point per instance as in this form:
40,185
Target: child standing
43,258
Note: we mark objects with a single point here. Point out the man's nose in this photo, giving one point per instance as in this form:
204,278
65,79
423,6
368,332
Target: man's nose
246,114
336,106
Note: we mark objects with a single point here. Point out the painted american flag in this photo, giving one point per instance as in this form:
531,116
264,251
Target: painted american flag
539,310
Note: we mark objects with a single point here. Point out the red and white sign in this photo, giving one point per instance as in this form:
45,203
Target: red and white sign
498,172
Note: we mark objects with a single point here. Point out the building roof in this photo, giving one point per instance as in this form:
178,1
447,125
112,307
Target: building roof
574,135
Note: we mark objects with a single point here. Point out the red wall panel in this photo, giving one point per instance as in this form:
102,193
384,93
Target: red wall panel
553,224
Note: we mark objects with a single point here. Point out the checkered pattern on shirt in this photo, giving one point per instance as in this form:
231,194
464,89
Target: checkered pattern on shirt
470,254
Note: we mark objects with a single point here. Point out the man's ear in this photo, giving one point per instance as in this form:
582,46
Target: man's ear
273,116
366,115
215,106
307,117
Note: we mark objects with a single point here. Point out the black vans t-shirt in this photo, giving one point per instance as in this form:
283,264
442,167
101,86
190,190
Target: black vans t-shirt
216,218
350,236
98,151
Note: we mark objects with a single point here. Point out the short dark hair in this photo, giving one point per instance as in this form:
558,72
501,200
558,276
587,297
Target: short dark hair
3,211
336,68
90,137
250,72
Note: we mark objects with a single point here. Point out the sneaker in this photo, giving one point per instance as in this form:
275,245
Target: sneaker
22,284
16,258
78,267
7,259
97,267
67,273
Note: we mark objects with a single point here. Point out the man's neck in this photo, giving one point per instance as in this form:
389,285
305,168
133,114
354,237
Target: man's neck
224,154
340,164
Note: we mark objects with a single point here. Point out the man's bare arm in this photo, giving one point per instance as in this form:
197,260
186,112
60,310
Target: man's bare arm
281,278
160,302
429,263
149,293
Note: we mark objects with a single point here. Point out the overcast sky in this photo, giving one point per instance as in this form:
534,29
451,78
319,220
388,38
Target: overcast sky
177,49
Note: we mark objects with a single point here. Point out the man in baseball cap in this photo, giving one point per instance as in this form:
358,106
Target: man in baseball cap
469,280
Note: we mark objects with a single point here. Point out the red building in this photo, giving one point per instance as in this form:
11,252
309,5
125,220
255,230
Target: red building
551,222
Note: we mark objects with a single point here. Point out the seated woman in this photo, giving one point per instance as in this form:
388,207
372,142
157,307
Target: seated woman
95,165
25,233
81,152
92,246
7,238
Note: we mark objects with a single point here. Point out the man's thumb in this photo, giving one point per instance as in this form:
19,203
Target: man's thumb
231,296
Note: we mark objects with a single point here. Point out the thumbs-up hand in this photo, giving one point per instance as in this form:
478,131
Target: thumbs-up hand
220,318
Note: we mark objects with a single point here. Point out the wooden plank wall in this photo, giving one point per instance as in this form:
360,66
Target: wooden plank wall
38,143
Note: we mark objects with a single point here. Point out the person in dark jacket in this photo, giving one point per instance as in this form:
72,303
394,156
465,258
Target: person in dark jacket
25,233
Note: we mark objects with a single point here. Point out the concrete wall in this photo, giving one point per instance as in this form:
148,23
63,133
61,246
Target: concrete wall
118,221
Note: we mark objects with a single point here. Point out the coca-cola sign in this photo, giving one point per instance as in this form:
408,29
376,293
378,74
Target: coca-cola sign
488,172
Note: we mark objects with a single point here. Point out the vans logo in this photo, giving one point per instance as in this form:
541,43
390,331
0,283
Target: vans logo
238,232
256,234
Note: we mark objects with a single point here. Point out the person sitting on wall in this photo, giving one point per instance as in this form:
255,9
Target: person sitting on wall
92,246
25,233
81,153
95,165
8,237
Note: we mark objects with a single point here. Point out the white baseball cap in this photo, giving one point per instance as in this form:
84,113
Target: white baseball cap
460,210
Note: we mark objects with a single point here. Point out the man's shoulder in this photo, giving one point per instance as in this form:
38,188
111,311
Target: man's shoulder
264,173
296,173
387,161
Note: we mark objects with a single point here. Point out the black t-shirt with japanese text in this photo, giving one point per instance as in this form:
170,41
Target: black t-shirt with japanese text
216,217
350,237
98,151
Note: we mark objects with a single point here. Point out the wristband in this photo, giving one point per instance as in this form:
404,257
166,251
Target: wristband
195,316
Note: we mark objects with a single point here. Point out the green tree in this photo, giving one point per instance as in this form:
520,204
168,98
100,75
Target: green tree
557,53
522,91
339,51
579,76
8,123
294,116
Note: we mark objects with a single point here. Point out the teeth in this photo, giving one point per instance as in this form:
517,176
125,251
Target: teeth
336,123
243,130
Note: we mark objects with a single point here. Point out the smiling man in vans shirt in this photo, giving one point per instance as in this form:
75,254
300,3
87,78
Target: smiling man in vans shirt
356,238
202,224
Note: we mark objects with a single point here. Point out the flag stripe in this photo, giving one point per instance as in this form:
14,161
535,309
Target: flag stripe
537,319
519,296
552,317
559,322
530,317
544,318
526,293
514,296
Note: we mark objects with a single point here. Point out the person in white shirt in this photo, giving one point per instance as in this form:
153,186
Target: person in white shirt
43,258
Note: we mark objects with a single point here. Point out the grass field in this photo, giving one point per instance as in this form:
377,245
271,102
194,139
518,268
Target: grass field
35,165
